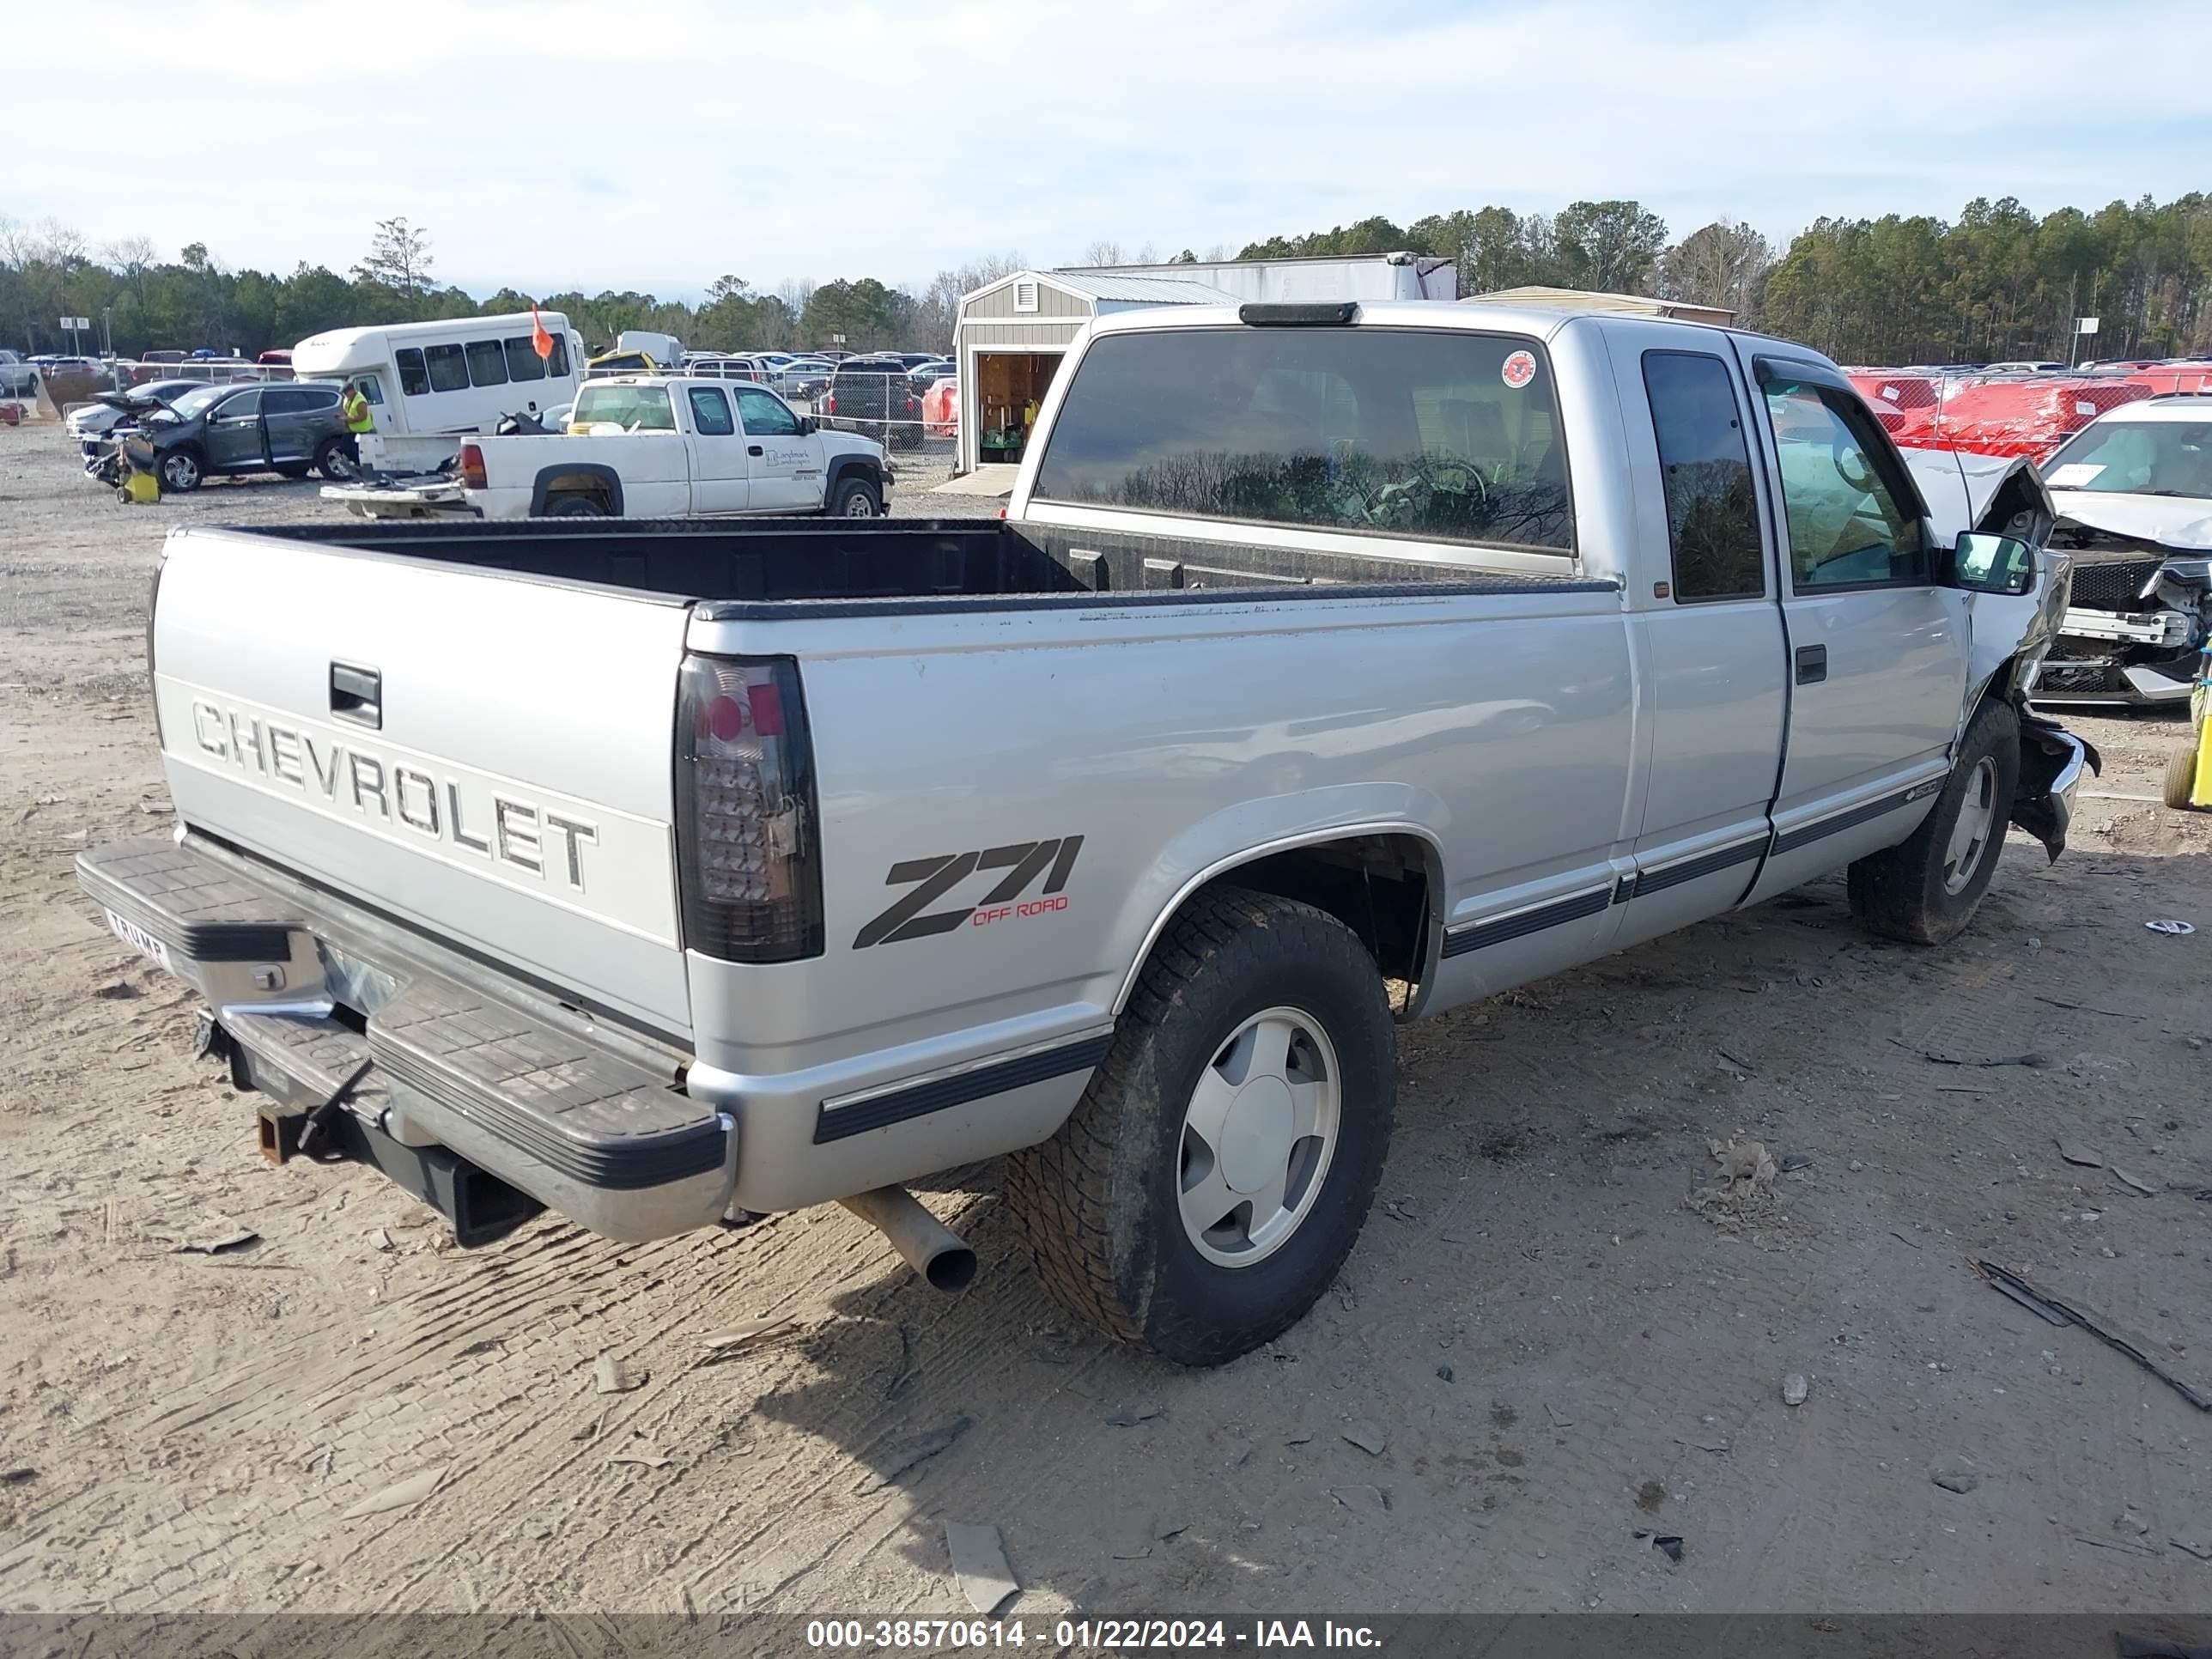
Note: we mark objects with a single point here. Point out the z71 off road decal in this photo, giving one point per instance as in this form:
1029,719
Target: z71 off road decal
1024,862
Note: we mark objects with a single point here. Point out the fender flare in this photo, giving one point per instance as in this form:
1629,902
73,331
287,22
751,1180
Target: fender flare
844,467
1221,845
595,470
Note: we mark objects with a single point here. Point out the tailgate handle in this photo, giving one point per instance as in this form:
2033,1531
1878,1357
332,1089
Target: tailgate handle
1812,663
357,694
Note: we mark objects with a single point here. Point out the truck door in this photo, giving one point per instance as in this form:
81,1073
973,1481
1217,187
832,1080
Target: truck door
720,482
234,433
787,465
1877,649
1705,616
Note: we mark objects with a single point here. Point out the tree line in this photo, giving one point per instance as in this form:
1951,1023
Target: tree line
138,302
1996,283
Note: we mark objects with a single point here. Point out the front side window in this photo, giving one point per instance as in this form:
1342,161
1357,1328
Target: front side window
710,412
632,408
414,378
523,362
765,414
244,406
1445,435
1705,466
449,369
487,364
1852,521
2137,458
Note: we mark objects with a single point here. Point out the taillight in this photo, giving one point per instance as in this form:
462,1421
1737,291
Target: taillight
830,407
472,467
749,868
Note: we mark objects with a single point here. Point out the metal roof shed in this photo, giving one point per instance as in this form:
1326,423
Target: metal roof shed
1012,334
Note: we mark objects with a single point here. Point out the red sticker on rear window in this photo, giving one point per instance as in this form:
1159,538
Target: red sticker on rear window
1520,369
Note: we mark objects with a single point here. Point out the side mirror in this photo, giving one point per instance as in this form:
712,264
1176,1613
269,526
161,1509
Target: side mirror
808,426
1986,562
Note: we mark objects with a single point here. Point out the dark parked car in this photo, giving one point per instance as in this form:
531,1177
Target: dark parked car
874,397
285,428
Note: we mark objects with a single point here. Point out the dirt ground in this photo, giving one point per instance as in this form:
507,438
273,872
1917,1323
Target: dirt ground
1544,1347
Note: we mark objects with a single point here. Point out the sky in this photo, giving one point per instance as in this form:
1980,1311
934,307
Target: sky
657,145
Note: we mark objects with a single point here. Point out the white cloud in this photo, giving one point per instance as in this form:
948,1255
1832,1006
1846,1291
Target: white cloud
657,145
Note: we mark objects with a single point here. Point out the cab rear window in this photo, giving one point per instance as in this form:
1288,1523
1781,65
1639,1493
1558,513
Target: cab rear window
1435,435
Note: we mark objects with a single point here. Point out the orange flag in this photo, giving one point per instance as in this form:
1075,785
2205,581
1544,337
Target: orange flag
539,337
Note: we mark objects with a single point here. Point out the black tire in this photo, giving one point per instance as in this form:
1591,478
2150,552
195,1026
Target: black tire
574,504
2181,775
336,460
181,470
1906,891
856,498
1099,1204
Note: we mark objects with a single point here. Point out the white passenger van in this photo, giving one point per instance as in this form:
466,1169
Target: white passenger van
430,384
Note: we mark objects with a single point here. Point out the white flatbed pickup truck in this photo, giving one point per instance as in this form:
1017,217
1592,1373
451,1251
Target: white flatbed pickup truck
648,447
1332,666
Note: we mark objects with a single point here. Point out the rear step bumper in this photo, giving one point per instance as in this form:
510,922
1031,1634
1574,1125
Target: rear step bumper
587,1122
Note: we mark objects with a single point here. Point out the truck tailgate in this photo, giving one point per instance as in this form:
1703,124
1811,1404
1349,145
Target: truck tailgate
485,757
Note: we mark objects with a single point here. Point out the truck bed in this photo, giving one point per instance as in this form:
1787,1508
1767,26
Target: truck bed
846,568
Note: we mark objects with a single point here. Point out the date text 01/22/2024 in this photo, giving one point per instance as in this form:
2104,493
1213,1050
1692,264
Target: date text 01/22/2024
1159,1635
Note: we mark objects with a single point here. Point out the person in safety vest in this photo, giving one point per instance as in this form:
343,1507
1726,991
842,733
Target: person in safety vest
360,421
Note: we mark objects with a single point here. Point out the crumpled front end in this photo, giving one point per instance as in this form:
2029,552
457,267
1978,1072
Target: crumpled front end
2138,620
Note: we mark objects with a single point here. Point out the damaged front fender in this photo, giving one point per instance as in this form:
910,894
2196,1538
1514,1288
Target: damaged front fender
2052,763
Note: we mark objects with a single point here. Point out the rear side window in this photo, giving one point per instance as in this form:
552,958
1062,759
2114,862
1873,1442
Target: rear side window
710,412
449,369
523,362
289,400
487,364
632,408
1705,462
1444,436
414,378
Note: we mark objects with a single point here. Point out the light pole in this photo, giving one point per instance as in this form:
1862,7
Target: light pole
106,331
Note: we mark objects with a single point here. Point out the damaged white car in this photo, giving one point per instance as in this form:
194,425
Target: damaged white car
2133,495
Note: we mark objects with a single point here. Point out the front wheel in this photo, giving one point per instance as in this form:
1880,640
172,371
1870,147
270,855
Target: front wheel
856,498
1218,1168
180,470
1925,889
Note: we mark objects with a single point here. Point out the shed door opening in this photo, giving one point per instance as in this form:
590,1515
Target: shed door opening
1010,387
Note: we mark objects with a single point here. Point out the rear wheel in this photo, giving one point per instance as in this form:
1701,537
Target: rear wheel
574,505
2181,775
1219,1166
180,469
1926,889
856,498
336,460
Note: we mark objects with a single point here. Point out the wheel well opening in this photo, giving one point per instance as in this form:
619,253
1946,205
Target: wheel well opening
1375,885
576,484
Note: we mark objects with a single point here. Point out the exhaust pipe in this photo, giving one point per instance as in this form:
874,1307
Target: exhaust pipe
931,1249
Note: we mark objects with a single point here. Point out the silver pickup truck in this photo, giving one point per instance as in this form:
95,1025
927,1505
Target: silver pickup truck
1330,666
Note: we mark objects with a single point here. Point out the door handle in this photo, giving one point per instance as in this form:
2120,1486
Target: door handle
755,449
1812,663
357,694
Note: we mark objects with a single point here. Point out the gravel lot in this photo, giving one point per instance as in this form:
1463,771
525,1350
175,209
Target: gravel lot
1543,1345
